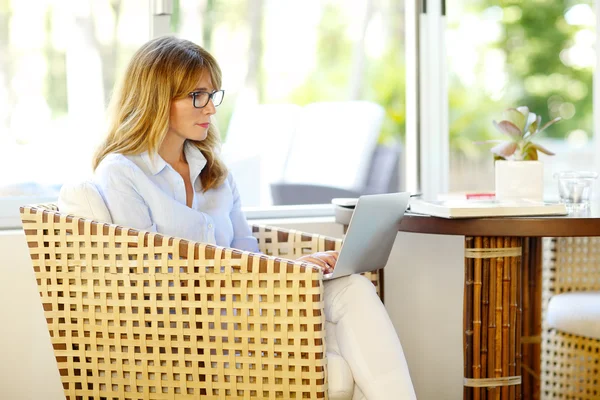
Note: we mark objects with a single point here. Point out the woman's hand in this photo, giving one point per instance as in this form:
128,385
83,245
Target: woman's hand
324,259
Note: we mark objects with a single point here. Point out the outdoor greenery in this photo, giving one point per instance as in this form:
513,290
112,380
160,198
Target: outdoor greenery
537,53
535,40
536,45
343,70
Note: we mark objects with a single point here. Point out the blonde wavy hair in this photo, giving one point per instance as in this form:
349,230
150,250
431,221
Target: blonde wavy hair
162,70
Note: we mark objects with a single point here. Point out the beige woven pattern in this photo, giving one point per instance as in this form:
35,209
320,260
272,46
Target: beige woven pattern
570,363
138,315
492,318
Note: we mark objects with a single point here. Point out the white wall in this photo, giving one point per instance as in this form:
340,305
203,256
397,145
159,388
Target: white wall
423,293
27,366
424,281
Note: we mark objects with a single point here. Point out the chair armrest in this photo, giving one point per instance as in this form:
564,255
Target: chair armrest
254,321
290,243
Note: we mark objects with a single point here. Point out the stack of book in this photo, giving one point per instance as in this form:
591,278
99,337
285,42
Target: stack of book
476,208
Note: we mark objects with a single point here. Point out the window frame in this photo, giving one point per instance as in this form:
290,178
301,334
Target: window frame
433,132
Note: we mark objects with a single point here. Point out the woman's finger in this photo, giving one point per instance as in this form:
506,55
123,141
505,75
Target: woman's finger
334,253
329,259
314,260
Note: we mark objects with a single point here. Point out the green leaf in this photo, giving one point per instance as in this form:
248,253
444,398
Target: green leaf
542,149
550,123
516,117
530,121
525,111
505,149
535,124
509,128
530,153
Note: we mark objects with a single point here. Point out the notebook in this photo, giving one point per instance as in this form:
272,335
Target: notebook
371,234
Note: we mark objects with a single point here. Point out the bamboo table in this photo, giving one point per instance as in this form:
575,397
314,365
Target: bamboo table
502,307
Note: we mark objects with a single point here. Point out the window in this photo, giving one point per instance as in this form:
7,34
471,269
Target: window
508,54
289,69
62,59
58,66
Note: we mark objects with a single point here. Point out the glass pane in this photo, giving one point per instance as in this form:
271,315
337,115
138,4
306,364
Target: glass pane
291,72
509,54
58,66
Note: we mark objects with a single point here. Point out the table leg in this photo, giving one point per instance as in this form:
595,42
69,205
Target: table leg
492,318
532,317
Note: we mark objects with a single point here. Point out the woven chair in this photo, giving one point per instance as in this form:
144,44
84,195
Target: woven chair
139,315
571,303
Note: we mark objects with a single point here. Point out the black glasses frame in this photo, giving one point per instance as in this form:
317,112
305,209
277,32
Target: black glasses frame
210,97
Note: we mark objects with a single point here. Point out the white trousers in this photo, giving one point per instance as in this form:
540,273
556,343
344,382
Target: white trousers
366,339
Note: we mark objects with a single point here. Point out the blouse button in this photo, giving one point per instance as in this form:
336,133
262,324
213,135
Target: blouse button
210,226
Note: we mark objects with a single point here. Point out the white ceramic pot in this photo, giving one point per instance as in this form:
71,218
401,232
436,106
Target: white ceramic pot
519,180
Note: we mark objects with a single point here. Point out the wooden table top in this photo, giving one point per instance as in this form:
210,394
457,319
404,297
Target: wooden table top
585,223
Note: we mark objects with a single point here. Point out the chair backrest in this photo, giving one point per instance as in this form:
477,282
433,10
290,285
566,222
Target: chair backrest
137,315
323,143
569,361
334,143
266,130
256,147
384,170
572,264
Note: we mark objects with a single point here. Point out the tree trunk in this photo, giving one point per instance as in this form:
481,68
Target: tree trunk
358,58
193,18
254,81
85,84
209,24
5,64
395,16
111,55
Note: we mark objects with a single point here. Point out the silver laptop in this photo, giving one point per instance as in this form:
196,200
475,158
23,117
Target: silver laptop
371,234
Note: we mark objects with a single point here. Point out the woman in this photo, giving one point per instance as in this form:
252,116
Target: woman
158,170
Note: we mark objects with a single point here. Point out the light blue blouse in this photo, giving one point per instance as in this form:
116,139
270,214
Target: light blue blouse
145,192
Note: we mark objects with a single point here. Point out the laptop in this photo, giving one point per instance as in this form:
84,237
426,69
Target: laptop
371,234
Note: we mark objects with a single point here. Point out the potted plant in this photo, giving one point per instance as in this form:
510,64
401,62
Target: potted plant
518,172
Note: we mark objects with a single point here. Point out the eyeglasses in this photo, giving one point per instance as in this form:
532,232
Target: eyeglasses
201,99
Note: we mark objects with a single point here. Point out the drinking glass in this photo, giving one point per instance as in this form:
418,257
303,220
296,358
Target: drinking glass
575,188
